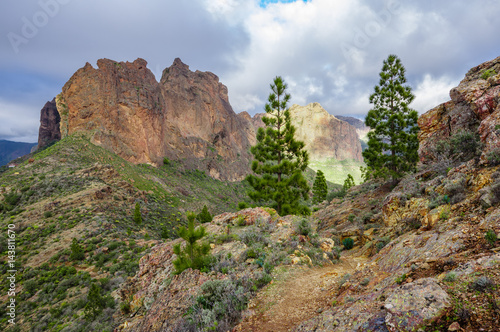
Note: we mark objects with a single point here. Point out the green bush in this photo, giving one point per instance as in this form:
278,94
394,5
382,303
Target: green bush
137,213
95,302
488,73
204,216
348,243
339,193
493,157
466,145
194,255
303,227
491,237
450,277
77,253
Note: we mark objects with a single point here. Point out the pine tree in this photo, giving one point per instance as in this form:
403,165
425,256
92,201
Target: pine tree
320,189
279,159
95,302
348,183
193,255
77,253
204,216
392,142
137,213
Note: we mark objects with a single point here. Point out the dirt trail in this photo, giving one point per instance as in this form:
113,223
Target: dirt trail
298,295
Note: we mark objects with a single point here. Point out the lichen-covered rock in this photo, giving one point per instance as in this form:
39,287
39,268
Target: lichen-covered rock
411,305
474,106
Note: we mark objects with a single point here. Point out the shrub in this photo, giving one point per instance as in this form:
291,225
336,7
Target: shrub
401,278
193,255
491,237
47,214
303,227
219,305
488,73
493,157
351,217
166,161
77,253
348,243
204,216
466,145
95,302
450,277
339,193
482,284
125,307
137,213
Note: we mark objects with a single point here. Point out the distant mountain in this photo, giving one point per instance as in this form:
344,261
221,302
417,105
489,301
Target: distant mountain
360,126
11,150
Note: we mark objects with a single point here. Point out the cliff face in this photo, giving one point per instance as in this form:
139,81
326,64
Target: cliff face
186,116
474,106
49,124
325,136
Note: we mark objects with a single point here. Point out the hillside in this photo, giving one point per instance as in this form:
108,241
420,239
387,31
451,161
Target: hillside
425,252
11,150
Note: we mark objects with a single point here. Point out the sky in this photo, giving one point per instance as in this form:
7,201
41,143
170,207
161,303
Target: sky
327,51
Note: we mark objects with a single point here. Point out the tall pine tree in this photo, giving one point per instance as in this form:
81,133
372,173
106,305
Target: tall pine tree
392,142
279,159
320,188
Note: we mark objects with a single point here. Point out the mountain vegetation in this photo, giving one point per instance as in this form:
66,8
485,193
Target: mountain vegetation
413,251
393,143
279,159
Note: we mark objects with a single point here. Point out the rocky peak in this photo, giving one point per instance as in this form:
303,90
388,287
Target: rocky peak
325,136
474,106
49,131
186,116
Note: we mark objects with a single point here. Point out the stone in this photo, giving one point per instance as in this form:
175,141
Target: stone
455,326
324,135
186,116
49,131
414,304
473,107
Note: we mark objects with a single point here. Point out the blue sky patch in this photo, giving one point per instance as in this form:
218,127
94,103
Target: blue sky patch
264,3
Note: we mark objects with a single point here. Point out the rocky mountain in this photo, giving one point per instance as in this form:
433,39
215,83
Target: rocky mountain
333,144
425,252
11,150
186,116
50,120
360,126
324,135
474,107
421,254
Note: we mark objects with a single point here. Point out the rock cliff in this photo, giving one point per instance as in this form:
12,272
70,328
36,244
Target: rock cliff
186,116
49,131
474,106
325,136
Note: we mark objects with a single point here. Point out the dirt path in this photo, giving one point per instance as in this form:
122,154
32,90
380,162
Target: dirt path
298,294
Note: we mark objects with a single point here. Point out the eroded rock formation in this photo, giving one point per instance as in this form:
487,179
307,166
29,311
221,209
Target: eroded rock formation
325,136
474,106
49,131
186,116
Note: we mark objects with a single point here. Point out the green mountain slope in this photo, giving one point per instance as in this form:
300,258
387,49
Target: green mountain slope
75,189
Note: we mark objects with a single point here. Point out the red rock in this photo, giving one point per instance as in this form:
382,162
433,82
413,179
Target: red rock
49,125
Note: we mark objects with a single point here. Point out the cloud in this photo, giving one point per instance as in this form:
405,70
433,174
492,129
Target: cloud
431,92
17,122
328,51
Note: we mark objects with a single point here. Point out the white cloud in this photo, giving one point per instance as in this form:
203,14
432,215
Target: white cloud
431,92
329,51
16,123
